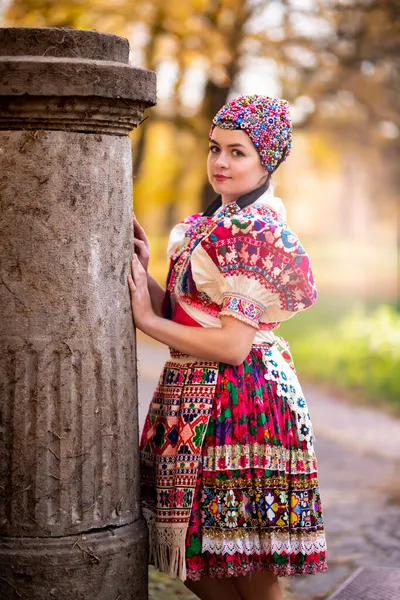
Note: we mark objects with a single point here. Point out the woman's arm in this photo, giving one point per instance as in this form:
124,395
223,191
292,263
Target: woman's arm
230,343
156,292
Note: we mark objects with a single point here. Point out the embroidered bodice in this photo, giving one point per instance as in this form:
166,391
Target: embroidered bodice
244,263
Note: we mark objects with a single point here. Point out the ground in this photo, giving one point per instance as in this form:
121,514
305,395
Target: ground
358,454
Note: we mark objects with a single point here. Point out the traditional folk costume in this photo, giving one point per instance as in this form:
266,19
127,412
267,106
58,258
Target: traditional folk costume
228,469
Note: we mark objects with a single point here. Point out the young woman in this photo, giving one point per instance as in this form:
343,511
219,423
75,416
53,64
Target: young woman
228,469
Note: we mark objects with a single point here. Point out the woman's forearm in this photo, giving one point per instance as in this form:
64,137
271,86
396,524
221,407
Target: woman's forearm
156,292
229,343
209,343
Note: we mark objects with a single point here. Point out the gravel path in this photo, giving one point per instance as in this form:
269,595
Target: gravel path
358,451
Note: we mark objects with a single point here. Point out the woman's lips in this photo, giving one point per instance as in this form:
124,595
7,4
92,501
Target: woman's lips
220,177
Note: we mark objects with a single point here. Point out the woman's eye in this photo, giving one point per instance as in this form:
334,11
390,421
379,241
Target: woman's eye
237,153
214,149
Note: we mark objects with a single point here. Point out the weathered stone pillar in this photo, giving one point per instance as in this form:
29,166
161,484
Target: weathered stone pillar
70,521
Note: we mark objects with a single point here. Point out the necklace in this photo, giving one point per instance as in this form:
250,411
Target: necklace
202,226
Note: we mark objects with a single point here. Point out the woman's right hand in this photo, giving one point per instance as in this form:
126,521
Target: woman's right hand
142,246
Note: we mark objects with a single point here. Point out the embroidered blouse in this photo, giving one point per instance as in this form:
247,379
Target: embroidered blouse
244,263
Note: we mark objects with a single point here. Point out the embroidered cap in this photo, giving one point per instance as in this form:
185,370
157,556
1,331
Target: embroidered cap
266,121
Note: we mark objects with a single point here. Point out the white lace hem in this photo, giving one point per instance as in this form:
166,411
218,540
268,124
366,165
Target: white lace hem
271,544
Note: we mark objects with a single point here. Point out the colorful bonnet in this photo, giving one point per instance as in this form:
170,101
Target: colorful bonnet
266,121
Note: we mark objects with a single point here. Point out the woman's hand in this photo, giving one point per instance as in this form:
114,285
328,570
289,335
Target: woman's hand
142,246
140,297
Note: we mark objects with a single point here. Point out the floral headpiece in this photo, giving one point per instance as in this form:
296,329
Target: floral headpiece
266,121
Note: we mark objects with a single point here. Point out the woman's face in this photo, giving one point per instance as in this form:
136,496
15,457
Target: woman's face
233,164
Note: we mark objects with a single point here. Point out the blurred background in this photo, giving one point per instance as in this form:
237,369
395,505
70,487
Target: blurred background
337,62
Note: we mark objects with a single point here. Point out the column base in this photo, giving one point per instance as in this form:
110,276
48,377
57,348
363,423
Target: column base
110,564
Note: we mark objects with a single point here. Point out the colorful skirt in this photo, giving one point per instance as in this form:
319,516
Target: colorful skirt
228,469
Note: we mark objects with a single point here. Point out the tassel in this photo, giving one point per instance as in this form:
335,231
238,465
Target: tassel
167,544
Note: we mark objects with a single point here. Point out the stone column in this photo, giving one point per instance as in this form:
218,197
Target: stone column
70,520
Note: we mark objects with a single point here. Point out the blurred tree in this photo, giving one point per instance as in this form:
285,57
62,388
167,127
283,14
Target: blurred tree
337,60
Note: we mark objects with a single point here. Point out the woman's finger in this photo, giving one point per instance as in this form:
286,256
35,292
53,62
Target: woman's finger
137,284
138,226
133,269
138,271
139,232
136,222
139,242
131,284
142,253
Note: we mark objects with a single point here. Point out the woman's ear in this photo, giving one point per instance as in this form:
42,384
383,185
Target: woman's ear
266,177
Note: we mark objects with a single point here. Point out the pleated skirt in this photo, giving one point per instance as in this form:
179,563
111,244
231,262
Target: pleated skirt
250,499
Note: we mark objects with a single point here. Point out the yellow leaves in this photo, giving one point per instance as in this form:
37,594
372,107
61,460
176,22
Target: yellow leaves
41,13
200,5
324,153
113,17
158,170
168,174
179,10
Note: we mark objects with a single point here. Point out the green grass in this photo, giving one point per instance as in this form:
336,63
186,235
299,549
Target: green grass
163,588
358,351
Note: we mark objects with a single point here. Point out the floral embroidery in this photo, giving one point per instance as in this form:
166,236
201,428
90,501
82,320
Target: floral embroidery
265,251
247,309
253,245
257,503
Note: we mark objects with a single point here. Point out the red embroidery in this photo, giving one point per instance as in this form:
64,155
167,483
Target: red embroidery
255,245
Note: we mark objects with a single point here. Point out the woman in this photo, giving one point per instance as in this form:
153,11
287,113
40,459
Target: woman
229,480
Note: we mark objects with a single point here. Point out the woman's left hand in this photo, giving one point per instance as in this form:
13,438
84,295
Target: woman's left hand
140,297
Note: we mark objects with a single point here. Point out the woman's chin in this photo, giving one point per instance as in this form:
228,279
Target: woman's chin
220,187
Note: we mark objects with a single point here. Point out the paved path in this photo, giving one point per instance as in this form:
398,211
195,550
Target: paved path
358,451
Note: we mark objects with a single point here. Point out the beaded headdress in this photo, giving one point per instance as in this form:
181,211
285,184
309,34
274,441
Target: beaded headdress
266,121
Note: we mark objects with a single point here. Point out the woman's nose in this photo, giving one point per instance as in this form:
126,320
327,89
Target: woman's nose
222,160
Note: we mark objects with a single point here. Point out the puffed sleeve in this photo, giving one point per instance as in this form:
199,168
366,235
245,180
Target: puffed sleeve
177,235
255,269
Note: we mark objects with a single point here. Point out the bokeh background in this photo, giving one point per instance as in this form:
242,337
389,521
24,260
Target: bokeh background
337,62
